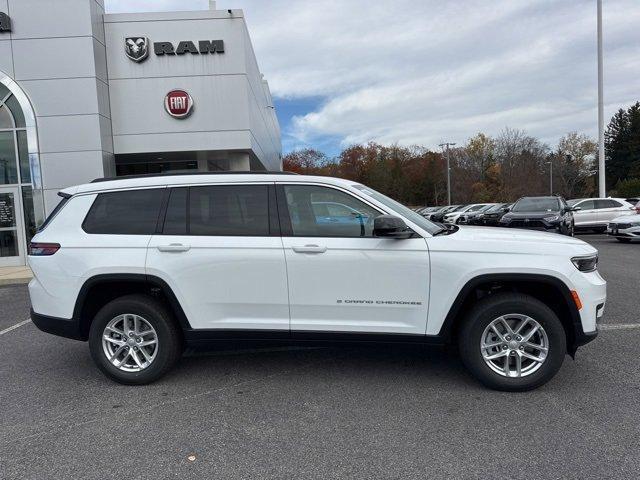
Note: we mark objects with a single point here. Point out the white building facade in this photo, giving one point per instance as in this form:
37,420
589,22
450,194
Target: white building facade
84,94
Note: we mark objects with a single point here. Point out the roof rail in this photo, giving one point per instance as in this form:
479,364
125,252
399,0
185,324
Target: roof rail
175,174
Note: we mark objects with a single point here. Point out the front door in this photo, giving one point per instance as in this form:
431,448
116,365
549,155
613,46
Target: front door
342,278
12,249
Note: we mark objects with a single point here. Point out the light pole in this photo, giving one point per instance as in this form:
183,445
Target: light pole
447,145
550,177
601,173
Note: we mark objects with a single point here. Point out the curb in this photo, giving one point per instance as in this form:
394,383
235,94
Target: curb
14,281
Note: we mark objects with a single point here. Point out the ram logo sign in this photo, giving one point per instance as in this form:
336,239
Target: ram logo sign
136,48
5,22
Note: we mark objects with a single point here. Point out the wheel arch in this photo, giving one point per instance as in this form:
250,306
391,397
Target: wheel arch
98,290
549,289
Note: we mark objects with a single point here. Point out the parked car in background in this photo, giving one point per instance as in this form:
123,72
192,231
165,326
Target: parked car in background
633,201
625,228
452,217
427,211
468,218
491,216
596,213
439,216
541,213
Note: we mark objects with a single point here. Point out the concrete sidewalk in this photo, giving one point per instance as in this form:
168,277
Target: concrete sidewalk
15,275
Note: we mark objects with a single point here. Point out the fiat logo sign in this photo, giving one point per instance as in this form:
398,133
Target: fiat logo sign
178,103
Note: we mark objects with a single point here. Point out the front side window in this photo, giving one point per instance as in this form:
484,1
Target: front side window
586,205
132,212
326,212
229,210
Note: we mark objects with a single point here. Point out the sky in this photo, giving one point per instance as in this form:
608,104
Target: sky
427,71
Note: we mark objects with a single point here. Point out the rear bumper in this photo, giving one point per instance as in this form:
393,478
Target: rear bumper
63,327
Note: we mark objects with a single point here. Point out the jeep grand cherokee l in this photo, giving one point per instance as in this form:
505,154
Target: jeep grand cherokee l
142,268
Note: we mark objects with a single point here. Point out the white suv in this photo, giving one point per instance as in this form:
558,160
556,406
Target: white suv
596,213
144,267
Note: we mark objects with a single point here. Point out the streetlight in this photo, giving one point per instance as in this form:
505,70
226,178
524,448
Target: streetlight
550,177
601,173
442,145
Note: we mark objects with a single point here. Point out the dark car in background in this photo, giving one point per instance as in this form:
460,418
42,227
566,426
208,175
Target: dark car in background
439,216
550,213
469,217
491,216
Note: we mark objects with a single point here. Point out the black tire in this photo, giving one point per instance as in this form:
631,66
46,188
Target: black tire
169,338
494,306
623,240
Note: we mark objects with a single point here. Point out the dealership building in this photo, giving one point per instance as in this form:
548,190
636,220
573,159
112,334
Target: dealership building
84,94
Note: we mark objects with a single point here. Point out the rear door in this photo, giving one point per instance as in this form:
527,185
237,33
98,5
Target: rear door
341,277
220,251
608,209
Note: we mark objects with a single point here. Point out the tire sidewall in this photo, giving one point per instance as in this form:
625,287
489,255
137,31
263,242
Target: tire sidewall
153,313
484,314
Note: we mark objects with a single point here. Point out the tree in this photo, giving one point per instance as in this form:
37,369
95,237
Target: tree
574,164
308,161
622,145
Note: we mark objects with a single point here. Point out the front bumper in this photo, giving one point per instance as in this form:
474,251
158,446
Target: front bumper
531,224
623,230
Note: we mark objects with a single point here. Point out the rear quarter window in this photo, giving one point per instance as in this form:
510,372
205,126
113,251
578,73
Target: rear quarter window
131,212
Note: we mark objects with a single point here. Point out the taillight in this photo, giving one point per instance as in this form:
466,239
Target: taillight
43,249
638,209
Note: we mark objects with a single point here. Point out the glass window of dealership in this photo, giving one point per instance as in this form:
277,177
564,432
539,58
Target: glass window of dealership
85,94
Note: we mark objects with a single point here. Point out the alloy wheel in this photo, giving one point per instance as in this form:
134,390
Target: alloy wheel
514,345
130,343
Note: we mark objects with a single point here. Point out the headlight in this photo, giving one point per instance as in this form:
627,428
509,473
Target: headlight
586,264
552,218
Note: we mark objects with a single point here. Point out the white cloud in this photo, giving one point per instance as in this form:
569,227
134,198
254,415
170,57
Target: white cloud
422,71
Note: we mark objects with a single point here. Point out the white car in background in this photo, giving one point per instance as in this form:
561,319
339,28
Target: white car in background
453,217
625,228
596,213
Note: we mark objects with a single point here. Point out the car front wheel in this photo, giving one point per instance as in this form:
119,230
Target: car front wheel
512,342
133,340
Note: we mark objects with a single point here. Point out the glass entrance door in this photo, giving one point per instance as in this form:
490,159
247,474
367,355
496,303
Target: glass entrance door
11,230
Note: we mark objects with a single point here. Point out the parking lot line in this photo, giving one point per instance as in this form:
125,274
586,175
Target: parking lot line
619,326
13,327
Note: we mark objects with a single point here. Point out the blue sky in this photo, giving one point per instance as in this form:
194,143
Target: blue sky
426,71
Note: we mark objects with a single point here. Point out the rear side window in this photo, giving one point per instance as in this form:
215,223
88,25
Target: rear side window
229,210
607,204
133,212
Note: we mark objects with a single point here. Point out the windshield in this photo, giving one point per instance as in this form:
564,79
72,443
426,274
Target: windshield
571,203
537,204
400,209
496,208
475,208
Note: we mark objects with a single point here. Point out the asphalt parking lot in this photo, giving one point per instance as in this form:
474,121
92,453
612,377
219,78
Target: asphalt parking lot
323,413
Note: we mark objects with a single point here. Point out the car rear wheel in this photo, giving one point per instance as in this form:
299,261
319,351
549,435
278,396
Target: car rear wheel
133,340
512,342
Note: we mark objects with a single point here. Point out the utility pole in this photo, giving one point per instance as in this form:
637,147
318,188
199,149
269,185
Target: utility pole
447,145
550,177
601,174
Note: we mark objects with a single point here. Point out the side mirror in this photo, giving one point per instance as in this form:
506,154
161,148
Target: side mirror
575,209
390,226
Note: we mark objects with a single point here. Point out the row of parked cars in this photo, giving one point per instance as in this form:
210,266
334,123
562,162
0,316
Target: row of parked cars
616,216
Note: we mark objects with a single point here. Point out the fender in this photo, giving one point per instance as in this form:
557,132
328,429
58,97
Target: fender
579,338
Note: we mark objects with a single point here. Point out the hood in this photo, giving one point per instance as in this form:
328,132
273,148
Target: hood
631,218
511,240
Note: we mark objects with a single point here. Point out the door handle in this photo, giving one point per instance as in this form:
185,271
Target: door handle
174,247
310,249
